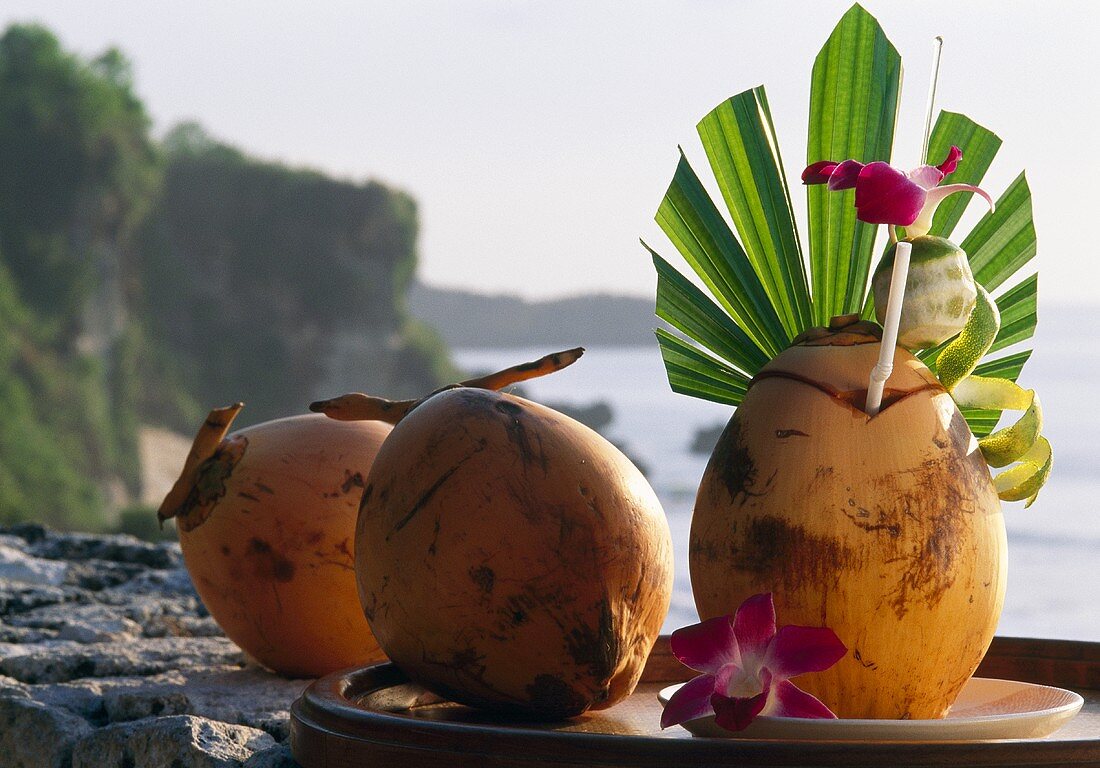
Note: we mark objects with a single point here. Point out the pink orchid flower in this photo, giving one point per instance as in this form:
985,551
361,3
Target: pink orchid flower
885,195
746,666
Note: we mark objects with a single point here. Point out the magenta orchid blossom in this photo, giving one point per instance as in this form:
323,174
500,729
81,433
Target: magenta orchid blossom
886,195
746,665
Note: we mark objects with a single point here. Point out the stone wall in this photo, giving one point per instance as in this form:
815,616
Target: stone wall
108,658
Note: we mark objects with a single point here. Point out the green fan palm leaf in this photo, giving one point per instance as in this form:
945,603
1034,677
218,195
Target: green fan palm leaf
692,222
693,372
763,290
854,93
739,139
979,146
1004,240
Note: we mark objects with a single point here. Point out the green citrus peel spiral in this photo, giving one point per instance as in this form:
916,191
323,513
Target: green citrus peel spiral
1022,442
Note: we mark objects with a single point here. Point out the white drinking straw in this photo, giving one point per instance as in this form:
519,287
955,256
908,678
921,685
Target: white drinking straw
885,365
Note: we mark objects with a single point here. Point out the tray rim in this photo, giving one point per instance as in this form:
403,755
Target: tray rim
323,711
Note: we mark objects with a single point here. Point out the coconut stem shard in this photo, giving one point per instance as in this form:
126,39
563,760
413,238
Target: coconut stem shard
207,440
356,406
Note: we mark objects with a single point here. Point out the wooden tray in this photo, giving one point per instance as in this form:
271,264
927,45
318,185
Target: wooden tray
372,716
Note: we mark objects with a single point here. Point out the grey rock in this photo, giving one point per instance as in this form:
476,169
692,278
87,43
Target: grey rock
13,689
277,757
158,582
17,565
183,626
85,624
16,598
251,696
56,661
182,741
16,634
8,540
35,735
124,705
30,533
55,616
100,632
150,611
119,548
101,574
119,663
84,698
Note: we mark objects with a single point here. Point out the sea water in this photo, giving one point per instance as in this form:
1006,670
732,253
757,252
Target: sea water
1054,546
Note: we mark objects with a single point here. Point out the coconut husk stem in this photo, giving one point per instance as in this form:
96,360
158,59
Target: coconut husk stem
356,406
207,440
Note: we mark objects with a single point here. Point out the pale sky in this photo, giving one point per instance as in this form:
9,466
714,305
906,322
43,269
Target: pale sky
539,137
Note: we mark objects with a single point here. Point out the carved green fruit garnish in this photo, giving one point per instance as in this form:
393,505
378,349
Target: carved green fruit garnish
939,294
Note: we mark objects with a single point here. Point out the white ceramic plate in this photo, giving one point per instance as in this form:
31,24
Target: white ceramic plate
986,709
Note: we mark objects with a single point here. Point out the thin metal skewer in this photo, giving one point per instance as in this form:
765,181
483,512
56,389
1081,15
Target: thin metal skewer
937,51
899,276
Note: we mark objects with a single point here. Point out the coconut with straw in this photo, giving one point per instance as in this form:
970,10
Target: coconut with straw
854,481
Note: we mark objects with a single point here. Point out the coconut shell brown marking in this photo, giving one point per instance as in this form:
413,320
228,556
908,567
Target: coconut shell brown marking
597,649
484,577
553,697
566,527
526,502
736,466
517,607
435,536
707,549
267,563
930,569
467,664
784,554
528,443
344,548
431,491
866,664
852,398
352,481
891,528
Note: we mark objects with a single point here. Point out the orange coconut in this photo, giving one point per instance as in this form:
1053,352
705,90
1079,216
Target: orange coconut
886,529
510,557
266,520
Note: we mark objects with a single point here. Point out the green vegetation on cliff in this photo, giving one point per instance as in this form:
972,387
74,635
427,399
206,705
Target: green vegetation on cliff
77,169
144,282
256,274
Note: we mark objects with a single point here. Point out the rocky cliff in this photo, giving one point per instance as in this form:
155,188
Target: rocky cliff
145,281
